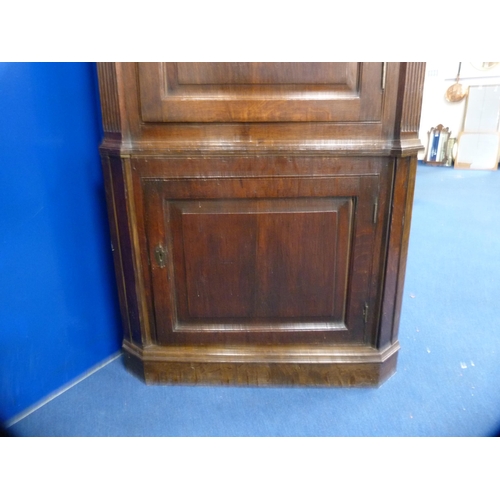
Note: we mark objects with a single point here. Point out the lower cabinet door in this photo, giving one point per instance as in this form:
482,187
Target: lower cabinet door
258,260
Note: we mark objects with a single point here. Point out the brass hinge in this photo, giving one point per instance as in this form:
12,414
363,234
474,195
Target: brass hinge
160,255
365,312
375,212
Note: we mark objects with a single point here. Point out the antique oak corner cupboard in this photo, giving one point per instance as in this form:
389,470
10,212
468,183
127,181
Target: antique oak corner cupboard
260,215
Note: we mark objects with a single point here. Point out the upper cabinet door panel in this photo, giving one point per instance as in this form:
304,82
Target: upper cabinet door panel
260,92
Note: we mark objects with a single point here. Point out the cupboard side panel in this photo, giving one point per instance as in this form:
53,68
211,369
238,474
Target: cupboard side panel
399,231
127,250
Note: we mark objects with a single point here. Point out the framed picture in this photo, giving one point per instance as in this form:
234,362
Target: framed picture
437,146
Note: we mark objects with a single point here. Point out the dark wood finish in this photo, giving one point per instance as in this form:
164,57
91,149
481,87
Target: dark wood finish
260,217
358,366
314,372
248,258
399,233
109,95
260,92
413,76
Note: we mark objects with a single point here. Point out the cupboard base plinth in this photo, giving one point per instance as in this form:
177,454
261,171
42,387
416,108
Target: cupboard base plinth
313,372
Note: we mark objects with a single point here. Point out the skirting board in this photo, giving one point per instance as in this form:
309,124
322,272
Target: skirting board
61,390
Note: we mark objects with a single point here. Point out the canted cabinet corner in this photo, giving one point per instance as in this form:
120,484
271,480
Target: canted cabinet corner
260,217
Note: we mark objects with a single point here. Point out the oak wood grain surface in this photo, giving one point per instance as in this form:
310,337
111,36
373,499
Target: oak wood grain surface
260,217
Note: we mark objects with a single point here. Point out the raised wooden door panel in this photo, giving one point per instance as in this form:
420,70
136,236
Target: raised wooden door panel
258,260
261,260
260,92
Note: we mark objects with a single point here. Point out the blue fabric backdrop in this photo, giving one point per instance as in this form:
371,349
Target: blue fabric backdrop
58,305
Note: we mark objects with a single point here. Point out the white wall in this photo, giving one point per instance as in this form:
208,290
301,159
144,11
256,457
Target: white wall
435,108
